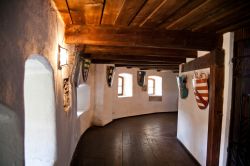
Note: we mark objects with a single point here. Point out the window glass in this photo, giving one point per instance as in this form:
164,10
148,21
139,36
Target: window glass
120,85
150,86
125,85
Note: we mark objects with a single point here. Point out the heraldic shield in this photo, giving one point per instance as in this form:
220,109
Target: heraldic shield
200,86
110,74
181,81
141,78
85,69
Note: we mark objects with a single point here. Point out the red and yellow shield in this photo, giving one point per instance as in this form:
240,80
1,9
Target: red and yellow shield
200,86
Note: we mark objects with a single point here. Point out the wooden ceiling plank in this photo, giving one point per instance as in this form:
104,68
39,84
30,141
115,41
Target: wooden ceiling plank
111,11
93,13
63,10
140,37
86,11
136,58
197,14
230,22
182,11
129,10
161,13
147,9
140,51
223,14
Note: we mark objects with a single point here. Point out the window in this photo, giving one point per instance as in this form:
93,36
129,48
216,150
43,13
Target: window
154,86
120,85
151,86
125,85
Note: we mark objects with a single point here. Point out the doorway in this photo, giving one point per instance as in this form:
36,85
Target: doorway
239,137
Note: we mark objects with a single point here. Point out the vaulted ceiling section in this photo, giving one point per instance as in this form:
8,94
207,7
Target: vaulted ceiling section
149,34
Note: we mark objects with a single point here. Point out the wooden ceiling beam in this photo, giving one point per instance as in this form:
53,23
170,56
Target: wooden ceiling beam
163,67
140,51
126,62
140,37
137,58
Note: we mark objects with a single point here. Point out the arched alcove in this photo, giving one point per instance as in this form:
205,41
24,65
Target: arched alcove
83,98
40,120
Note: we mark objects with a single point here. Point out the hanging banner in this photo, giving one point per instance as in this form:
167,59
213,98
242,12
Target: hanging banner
110,70
85,69
181,81
141,78
200,86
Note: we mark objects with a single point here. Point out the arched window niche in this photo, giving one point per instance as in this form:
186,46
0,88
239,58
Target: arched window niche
154,86
83,98
125,85
40,112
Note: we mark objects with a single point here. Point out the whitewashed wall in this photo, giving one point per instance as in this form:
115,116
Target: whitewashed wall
192,124
139,103
228,40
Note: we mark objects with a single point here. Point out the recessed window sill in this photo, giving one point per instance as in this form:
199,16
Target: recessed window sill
79,113
124,96
155,98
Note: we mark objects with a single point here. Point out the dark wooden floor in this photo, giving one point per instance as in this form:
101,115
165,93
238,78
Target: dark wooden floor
148,140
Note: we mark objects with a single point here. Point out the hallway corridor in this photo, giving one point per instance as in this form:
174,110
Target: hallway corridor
147,140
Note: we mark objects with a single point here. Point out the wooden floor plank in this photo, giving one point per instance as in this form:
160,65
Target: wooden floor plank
147,140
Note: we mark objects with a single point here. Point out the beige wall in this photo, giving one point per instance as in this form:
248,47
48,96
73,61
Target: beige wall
139,103
32,27
192,124
228,47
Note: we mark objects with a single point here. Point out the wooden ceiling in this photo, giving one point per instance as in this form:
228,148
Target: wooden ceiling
149,34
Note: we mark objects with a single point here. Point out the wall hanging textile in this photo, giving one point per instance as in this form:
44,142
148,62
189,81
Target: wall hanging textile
85,69
181,81
200,86
110,70
141,78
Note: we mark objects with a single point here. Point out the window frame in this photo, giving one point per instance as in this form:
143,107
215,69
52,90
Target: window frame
153,80
122,93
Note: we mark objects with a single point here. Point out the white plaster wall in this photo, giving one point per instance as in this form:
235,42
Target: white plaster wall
84,121
192,124
103,98
40,111
139,103
228,42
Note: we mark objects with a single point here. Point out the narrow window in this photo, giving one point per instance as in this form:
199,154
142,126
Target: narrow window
120,85
154,86
125,85
151,86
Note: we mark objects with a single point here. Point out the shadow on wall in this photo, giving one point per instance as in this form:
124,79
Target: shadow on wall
10,138
40,122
